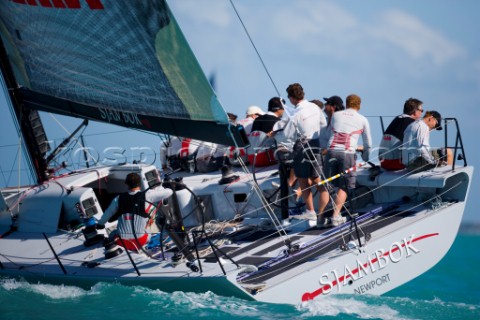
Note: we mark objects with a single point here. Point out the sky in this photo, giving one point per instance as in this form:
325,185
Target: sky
384,51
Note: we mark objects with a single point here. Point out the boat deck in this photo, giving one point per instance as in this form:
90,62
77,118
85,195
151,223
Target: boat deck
267,251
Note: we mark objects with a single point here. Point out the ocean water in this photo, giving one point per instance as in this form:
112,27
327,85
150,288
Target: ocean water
451,290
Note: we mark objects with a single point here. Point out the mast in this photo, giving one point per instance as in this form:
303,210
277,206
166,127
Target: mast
28,120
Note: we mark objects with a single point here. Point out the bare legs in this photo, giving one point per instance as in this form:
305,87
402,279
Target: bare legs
340,199
323,198
291,181
305,185
449,156
306,193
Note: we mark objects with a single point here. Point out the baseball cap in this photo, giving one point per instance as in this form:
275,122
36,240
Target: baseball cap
437,117
275,104
254,110
335,101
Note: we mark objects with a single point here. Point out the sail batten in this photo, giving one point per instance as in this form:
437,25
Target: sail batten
120,61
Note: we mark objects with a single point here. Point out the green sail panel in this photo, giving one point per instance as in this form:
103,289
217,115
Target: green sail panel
177,60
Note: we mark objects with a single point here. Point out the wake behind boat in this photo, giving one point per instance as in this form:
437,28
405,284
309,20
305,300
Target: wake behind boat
211,233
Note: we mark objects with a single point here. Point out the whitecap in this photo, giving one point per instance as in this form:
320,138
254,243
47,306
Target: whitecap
49,290
58,291
334,306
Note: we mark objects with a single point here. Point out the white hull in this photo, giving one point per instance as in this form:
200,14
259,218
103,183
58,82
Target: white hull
352,272
402,244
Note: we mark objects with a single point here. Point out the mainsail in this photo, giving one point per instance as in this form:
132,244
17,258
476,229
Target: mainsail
119,61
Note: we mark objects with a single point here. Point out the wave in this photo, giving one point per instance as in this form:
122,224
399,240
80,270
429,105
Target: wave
114,301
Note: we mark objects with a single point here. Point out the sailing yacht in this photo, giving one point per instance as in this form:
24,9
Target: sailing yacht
127,63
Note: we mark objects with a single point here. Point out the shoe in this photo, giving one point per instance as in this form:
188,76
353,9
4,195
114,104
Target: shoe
307,215
286,223
338,220
323,223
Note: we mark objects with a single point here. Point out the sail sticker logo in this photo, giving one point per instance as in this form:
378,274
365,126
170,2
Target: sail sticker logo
379,260
123,117
63,4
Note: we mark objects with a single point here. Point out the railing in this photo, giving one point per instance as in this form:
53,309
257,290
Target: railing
458,140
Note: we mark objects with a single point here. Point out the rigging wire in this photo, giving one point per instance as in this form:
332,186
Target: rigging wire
254,47
59,123
271,80
256,187
19,145
19,159
3,176
268,208
14,162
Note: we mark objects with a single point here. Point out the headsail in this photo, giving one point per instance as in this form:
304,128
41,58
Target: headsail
118,61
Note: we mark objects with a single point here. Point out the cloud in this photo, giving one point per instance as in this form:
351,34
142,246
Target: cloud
310,26
311,41
409,34
330,29
317,19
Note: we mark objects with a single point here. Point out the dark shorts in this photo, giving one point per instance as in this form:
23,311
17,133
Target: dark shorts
420,164
338,162
307,160
285,157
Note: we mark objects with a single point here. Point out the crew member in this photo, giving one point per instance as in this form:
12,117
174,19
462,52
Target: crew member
132,210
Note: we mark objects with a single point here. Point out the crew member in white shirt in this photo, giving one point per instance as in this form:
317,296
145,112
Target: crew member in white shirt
347,126
416,154
304,128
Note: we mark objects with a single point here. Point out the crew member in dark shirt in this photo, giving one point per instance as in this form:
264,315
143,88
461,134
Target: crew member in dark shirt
266,122
390,153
